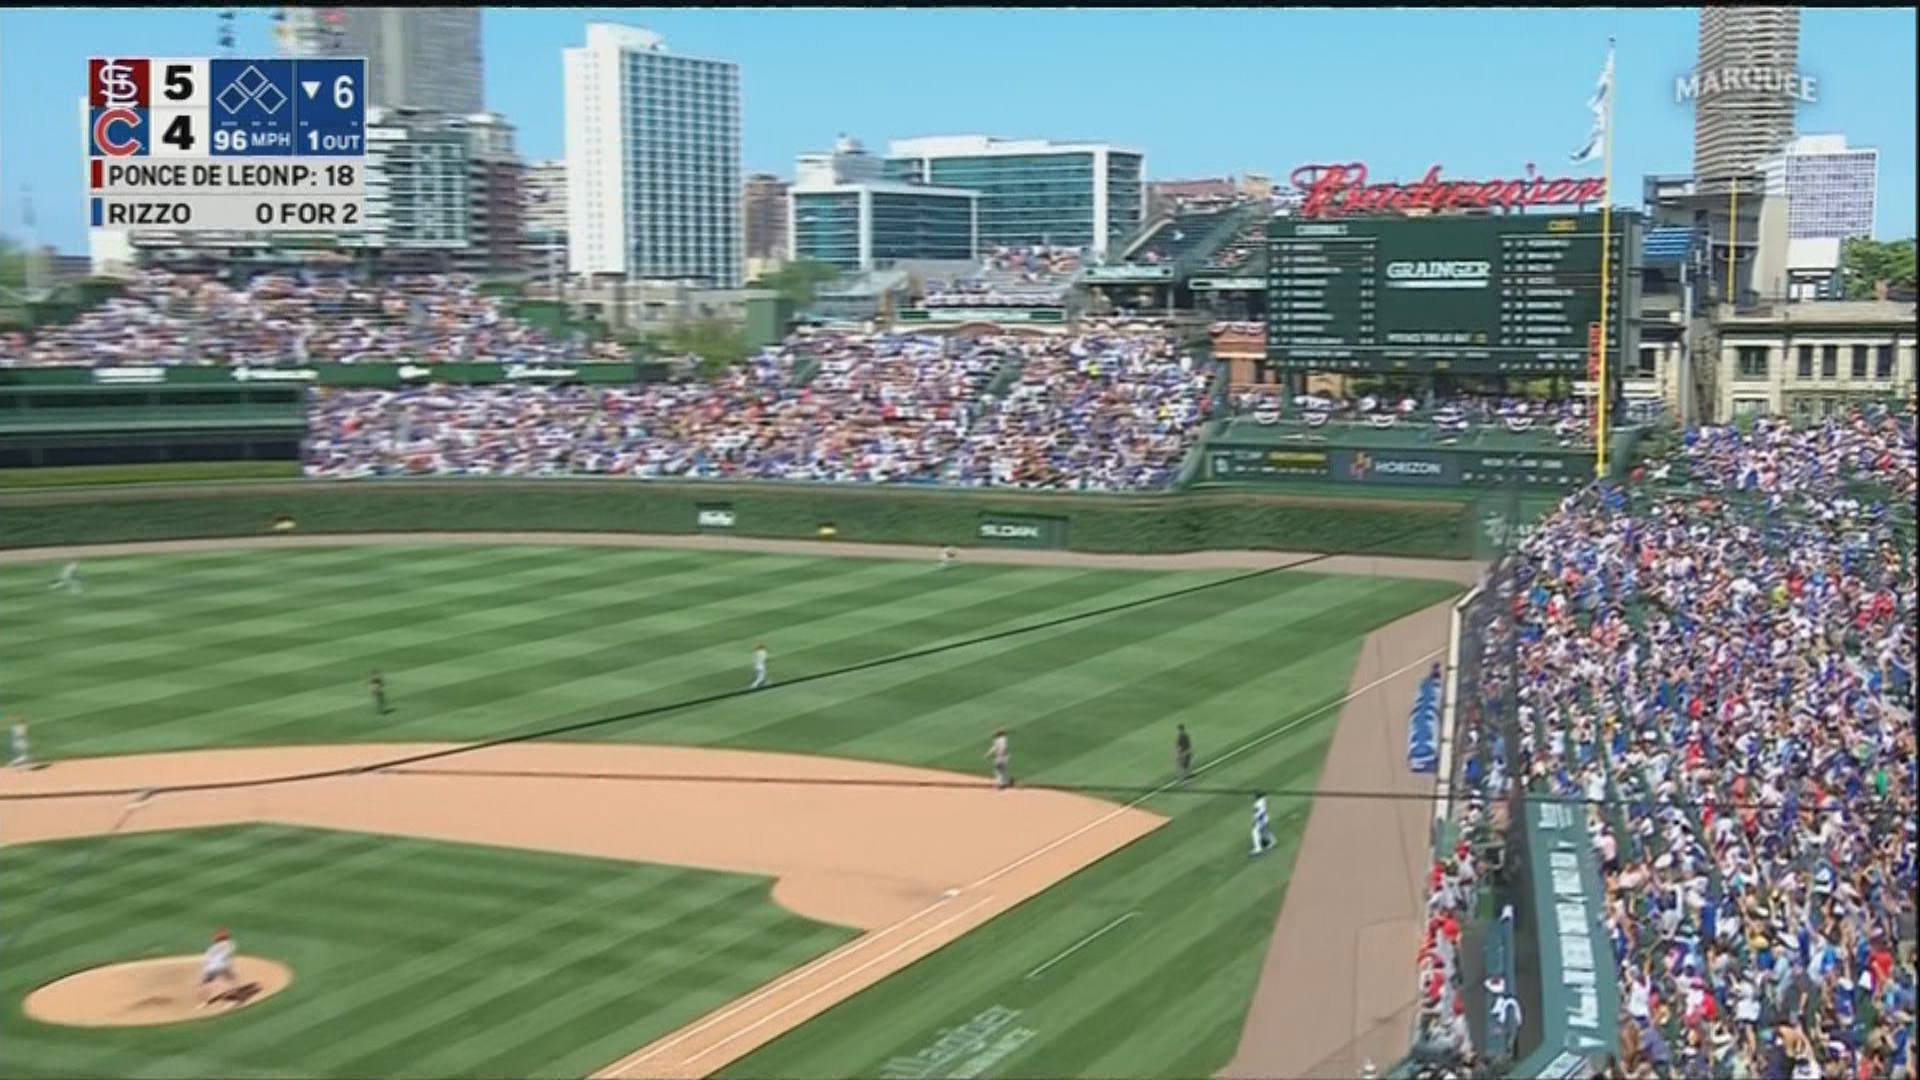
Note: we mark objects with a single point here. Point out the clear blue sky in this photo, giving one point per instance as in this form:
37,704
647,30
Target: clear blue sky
1202,92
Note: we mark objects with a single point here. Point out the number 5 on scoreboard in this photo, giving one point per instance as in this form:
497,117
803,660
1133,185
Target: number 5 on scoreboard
179,84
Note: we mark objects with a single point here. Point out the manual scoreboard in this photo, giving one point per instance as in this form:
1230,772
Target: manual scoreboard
1514,295
226,145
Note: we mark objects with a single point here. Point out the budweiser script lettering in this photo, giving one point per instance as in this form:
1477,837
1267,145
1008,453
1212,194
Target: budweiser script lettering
1334,190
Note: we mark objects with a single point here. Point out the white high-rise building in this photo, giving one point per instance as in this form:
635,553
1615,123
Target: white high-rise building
653,160
1829,187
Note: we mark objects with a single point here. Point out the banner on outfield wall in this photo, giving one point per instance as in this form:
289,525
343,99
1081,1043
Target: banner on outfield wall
367,375
713,516
1579,986
1022,530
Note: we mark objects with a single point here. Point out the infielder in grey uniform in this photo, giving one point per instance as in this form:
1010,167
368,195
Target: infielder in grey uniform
997,753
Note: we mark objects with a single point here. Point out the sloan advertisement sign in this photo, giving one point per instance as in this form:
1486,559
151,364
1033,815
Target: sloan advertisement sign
1021,530
713,516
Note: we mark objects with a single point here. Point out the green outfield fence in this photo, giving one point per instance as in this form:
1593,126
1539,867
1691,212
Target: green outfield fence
1120,524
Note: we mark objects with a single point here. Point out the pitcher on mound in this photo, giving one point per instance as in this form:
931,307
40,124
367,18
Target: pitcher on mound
216,964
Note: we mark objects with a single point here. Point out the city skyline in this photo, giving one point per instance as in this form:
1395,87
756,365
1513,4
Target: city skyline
1124,77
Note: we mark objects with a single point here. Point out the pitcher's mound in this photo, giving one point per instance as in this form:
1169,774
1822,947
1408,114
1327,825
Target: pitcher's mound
166,990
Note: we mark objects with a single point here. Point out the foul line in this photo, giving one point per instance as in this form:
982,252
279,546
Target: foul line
645,1053
781,983
1083,943
809,995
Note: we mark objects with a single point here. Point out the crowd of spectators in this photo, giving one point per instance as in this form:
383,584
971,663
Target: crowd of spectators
1104,410
1035,263
166,317
1717,662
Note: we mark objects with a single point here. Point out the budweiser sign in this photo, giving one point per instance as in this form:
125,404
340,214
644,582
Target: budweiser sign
1335,190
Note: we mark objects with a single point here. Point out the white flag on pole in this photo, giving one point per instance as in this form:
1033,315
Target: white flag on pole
1598,106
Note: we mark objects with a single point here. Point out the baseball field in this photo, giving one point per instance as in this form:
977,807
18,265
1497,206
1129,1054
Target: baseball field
576,845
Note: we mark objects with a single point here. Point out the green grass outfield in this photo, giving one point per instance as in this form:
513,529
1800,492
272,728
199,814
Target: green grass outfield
251,648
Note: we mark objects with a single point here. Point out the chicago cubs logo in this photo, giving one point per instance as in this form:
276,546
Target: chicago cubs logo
107,123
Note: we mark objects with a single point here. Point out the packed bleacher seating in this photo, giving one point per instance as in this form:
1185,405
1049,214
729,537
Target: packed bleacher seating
1718,662
165,317
1098,411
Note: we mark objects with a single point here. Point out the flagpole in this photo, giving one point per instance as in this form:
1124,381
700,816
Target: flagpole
1606,258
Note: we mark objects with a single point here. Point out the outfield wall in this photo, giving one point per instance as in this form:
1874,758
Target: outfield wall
1119,524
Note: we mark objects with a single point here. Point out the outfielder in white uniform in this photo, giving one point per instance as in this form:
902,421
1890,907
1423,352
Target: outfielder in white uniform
946,556
999,753
759,666
69,579
217,963
1263,840
20,758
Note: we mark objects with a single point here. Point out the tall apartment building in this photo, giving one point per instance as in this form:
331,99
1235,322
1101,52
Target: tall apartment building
653,160
543,218
417,58
764,205
1735,127
1032,191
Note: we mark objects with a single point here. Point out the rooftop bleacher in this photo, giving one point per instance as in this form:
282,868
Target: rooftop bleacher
1177,237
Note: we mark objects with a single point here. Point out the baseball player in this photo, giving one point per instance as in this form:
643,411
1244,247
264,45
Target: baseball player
217,963
759,666
998,754
946,556
1182,754
1263,840
69,579
378,685
20,758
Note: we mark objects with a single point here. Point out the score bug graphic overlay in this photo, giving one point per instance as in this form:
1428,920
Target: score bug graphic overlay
226,145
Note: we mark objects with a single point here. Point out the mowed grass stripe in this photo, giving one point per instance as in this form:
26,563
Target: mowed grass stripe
258,621
106,614
702,660
290,623
1020,602
439,1003
712,646
1006,670
674,987
1089,677
330,684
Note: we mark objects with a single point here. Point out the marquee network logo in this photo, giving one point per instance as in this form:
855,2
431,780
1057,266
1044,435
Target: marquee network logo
1747,83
